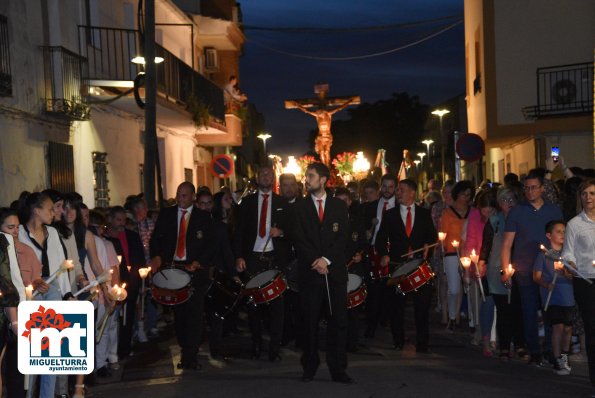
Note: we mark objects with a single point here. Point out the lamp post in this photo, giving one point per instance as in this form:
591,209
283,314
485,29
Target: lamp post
440,113
427,143
421,157
264,137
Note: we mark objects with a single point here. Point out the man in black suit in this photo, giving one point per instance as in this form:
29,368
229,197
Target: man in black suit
378,292
259,245
184,237
127,244
321,226
407,227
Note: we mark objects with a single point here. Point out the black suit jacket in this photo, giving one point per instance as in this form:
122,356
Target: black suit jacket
247,226
313,240
136,256
392,229
200,236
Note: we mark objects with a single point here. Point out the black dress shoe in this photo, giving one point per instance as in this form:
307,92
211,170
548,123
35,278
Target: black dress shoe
344,378
275,358
103,372
398,347
307,378
192,365
256,350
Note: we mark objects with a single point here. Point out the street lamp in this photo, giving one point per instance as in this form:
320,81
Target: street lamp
421,156
264,137
292,167
440,113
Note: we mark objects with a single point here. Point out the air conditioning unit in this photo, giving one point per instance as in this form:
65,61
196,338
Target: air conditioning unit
564,91
211,60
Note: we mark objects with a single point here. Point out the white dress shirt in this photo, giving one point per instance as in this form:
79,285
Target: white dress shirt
260,243
379,211
579,244
187,218
403,210
315,200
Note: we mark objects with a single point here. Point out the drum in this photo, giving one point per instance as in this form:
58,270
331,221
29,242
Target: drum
171,286
356,291
412,275
377,271
223,294
265,287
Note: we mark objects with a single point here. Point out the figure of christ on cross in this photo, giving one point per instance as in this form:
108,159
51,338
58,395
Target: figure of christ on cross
323,109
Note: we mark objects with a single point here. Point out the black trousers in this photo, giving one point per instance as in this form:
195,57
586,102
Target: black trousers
292,319
132,280
584,295
314,301
272,312
378,295
13,378
509,322
421,306
188,318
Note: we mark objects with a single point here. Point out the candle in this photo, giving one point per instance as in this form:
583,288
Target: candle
474,257
441,236
455,244
129,268
119,259
29,292
143,272
466,262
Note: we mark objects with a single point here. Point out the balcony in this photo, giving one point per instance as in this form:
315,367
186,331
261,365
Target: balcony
62,71
563,90
108,52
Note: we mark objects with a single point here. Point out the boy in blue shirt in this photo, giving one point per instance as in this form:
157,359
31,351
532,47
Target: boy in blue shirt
559,311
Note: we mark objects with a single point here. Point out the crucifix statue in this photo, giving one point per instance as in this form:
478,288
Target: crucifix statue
323,108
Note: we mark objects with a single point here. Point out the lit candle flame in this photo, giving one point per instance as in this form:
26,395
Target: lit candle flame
119,259
455,244
441,236
29,292
474,257
466,262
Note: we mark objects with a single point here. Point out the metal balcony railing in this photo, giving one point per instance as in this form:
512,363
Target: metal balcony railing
5,75
63,83
563,90
109,51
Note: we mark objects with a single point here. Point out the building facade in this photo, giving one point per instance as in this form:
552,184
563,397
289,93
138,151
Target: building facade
69,118
529,80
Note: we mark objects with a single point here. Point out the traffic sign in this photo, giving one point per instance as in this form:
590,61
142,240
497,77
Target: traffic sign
221,166
470,147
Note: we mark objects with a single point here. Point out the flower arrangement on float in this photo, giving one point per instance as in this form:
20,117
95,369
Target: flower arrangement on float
343,164
304,161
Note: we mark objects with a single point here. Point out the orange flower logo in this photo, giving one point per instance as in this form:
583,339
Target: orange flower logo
43,319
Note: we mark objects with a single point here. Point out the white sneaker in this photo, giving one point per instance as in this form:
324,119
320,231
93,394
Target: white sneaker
565,362
560,368
140,333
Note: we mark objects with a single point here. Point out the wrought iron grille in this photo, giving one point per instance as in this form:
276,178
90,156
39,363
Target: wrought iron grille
5,75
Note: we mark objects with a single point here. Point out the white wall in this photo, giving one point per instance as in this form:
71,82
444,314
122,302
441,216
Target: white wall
537,33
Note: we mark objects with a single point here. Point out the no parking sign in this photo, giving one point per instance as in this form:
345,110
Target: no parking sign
222,166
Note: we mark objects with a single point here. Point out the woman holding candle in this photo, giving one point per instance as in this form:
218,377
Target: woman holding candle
37,213
579,250
452,222
509,317
13,291
482,310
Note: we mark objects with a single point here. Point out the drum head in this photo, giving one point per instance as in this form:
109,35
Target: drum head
261,279
407,268
353,282
171,278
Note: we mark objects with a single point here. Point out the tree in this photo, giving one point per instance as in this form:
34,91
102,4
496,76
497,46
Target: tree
393,124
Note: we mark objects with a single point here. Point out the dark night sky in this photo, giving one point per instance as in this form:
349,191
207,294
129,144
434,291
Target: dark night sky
433,70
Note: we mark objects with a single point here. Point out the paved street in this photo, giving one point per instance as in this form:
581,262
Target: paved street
453,369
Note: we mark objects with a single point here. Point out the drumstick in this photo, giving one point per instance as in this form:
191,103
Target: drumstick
328,294
266,244
352,260
420,250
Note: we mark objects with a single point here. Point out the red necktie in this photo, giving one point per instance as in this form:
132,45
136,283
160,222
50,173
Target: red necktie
181,247
384,208
408,223
262,226
320,210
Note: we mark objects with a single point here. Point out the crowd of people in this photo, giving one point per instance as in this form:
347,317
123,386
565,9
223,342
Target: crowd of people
291,258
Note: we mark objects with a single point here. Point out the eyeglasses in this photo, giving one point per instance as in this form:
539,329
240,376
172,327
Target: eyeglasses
531,187
507,201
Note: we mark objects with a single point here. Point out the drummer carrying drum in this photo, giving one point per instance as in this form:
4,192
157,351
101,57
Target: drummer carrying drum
408,228
260,249
183,242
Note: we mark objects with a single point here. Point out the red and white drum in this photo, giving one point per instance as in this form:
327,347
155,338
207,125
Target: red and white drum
265,287
356,291
412,275
171,286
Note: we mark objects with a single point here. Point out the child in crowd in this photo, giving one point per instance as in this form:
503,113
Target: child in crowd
561,303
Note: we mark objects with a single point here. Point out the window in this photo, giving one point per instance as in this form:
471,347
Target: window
5,76
477,80
188,175
211,61
61,167
100,180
